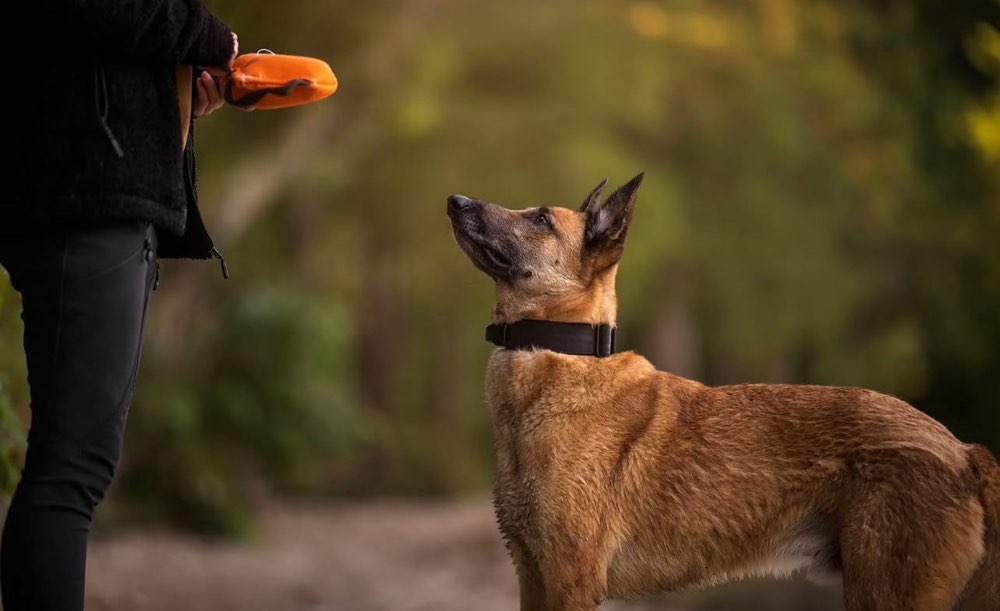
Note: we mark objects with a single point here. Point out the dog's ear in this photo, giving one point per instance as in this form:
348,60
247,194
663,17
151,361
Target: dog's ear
594,198
607,225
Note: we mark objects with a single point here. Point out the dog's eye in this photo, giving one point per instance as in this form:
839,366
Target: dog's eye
543,220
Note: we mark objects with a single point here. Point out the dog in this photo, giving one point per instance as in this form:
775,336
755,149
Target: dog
615,480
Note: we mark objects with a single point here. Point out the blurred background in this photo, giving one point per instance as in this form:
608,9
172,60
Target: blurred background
822,205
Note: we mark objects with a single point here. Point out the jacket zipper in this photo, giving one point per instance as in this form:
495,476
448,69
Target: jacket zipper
102,104
192,185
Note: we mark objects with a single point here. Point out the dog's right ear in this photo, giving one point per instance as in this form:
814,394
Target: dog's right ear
594,199
607,224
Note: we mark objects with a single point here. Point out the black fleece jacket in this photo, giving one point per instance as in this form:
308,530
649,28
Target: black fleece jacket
94,121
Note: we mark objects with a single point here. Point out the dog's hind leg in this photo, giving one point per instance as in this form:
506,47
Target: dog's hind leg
903,551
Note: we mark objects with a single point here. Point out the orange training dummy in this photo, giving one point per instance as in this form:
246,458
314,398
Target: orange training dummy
267,80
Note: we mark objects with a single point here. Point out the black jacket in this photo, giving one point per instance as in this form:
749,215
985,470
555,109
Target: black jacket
96,129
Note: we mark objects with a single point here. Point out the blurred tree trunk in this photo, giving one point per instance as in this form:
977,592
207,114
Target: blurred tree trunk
380,340
675,344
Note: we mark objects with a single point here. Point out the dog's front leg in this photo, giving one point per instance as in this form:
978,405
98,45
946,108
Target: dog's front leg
529,577
575,578
574,591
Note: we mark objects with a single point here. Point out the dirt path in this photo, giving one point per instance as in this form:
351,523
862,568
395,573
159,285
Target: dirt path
358,558
378,557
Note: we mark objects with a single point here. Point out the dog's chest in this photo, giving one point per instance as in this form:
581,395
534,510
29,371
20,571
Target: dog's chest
515,396
514,496
539,402
518,467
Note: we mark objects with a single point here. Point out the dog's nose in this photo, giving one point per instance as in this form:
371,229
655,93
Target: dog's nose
457,203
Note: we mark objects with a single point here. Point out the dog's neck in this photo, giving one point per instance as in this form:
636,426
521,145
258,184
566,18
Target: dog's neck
597,304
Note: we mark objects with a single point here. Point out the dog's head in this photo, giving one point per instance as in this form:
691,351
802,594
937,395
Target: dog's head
549,263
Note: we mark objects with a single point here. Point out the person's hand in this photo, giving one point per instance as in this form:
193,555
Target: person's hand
208,94
210,86
221,72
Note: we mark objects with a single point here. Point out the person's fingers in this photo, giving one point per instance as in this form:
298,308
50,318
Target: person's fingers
214,94
220,90
200,98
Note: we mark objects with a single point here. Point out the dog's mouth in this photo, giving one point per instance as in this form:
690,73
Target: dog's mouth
485,255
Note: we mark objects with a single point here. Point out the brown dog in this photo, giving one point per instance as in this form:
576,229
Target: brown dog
618,480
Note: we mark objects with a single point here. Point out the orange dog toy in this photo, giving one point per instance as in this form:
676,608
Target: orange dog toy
267,80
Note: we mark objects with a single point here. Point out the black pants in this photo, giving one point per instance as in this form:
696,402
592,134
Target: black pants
84,296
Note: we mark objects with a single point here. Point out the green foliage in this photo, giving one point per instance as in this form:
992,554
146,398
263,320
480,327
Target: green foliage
12,436
11,444
266,401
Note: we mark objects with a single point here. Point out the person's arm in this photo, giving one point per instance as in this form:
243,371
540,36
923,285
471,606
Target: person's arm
161,31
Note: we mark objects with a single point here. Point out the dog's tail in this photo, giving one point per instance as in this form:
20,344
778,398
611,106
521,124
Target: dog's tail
983,591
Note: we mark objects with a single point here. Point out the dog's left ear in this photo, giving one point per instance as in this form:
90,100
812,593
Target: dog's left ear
594,198
608,224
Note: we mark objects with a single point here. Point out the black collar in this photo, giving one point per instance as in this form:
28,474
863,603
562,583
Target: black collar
566,337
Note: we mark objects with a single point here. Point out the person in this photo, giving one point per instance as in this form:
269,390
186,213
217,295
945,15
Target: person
97,181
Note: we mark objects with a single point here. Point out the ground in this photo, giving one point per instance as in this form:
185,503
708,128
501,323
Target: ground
371,557
357,558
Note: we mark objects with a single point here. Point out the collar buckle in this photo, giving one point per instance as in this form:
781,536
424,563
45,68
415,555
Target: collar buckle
604,340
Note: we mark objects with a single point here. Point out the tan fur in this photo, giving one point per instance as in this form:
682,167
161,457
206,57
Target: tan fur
618,480
983,592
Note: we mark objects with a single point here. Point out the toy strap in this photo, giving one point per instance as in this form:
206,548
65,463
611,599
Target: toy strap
252,98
